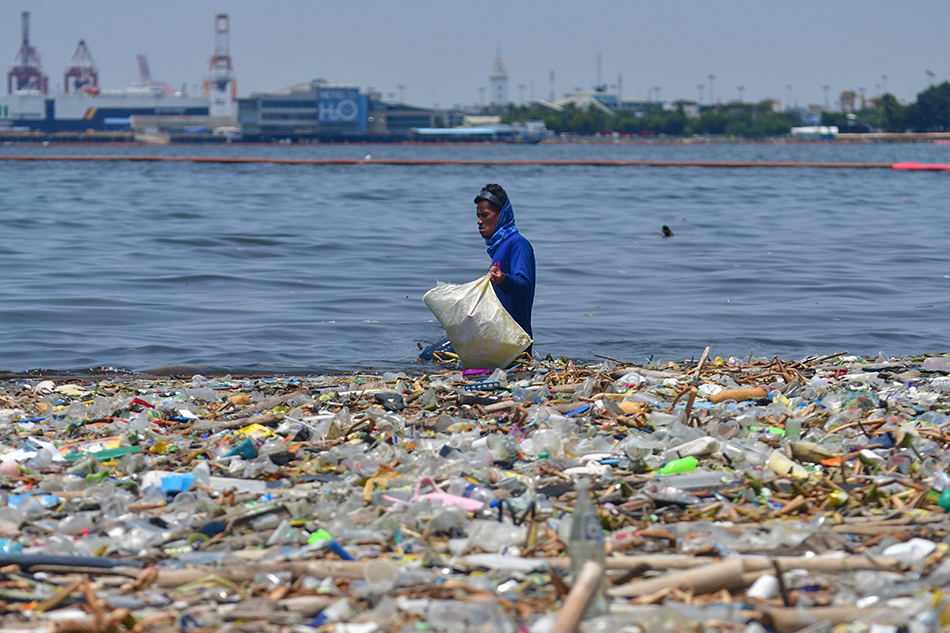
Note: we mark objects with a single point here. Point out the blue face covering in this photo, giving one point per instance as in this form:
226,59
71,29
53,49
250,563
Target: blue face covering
504,228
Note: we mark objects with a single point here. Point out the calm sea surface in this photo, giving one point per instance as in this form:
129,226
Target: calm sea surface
302,268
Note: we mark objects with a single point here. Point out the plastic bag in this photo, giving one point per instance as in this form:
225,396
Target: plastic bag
482,332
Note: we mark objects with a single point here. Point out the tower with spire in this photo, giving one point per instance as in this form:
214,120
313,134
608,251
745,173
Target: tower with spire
498,80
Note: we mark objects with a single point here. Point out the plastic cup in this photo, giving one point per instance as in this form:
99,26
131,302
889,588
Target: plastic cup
380,575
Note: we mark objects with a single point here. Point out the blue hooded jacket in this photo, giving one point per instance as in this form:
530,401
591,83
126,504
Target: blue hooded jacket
515,256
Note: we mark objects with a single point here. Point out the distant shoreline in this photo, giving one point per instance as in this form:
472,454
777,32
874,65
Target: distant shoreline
127,139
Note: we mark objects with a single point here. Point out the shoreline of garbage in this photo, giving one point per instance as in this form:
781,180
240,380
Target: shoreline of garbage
755,494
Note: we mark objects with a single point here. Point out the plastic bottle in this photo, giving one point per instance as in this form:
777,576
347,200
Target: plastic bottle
462,487
937,363
523,394
202,474
681,465
587,543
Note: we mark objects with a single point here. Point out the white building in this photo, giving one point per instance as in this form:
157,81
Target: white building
498,80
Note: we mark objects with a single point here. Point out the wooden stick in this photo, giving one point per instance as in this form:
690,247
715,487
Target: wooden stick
826,564
702,360
267,419
790,620
245,573
739,394
689,402
499,406
57,599
585,586
727,574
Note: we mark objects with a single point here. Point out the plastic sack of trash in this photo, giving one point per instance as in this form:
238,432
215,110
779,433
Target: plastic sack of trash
482,332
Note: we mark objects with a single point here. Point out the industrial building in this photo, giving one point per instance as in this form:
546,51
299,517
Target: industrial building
318,110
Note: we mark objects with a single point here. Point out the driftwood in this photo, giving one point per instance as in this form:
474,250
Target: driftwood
739,394
268,419
789,620
734,573
662,562
585,586
246,573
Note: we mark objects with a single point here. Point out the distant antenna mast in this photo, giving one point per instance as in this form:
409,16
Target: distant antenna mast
26,65
82,69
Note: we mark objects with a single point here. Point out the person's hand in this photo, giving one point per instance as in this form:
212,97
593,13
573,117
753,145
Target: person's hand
497,277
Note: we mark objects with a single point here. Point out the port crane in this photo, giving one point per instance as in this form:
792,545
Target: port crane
82,69
26,72
221,70
145,74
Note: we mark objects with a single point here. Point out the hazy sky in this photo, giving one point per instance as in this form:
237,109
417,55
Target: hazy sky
442,51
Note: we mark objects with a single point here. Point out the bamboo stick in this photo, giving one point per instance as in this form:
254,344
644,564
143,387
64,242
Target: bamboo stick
569,619
790,620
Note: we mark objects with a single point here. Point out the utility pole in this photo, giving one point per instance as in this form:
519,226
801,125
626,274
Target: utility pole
700,87
741,88
712,94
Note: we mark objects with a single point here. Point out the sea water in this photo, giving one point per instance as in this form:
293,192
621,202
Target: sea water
309,268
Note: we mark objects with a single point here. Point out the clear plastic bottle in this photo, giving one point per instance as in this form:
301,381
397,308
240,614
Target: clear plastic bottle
587,543
462,487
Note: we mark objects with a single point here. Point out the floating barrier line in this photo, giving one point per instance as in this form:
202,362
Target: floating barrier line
425,161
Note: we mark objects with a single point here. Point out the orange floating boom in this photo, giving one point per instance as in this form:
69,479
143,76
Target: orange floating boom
443,161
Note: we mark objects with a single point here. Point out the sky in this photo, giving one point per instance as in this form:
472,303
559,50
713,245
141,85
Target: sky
438,53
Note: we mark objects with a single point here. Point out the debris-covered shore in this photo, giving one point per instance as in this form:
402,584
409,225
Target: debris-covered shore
733,494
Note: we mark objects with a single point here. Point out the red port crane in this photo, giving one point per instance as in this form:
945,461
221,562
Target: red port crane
82,70
145,74
26,65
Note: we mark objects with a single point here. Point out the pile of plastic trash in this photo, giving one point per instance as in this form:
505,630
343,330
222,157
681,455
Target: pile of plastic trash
724,494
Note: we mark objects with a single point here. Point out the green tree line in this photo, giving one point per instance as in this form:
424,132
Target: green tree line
745,120
929,113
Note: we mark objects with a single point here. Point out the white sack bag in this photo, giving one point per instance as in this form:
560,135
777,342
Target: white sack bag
482,332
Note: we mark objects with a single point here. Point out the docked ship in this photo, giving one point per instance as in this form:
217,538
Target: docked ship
83,106
92,109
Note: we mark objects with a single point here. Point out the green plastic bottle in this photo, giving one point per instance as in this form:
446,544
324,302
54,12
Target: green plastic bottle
681,465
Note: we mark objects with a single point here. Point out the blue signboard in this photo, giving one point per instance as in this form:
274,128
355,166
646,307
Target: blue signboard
340,105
